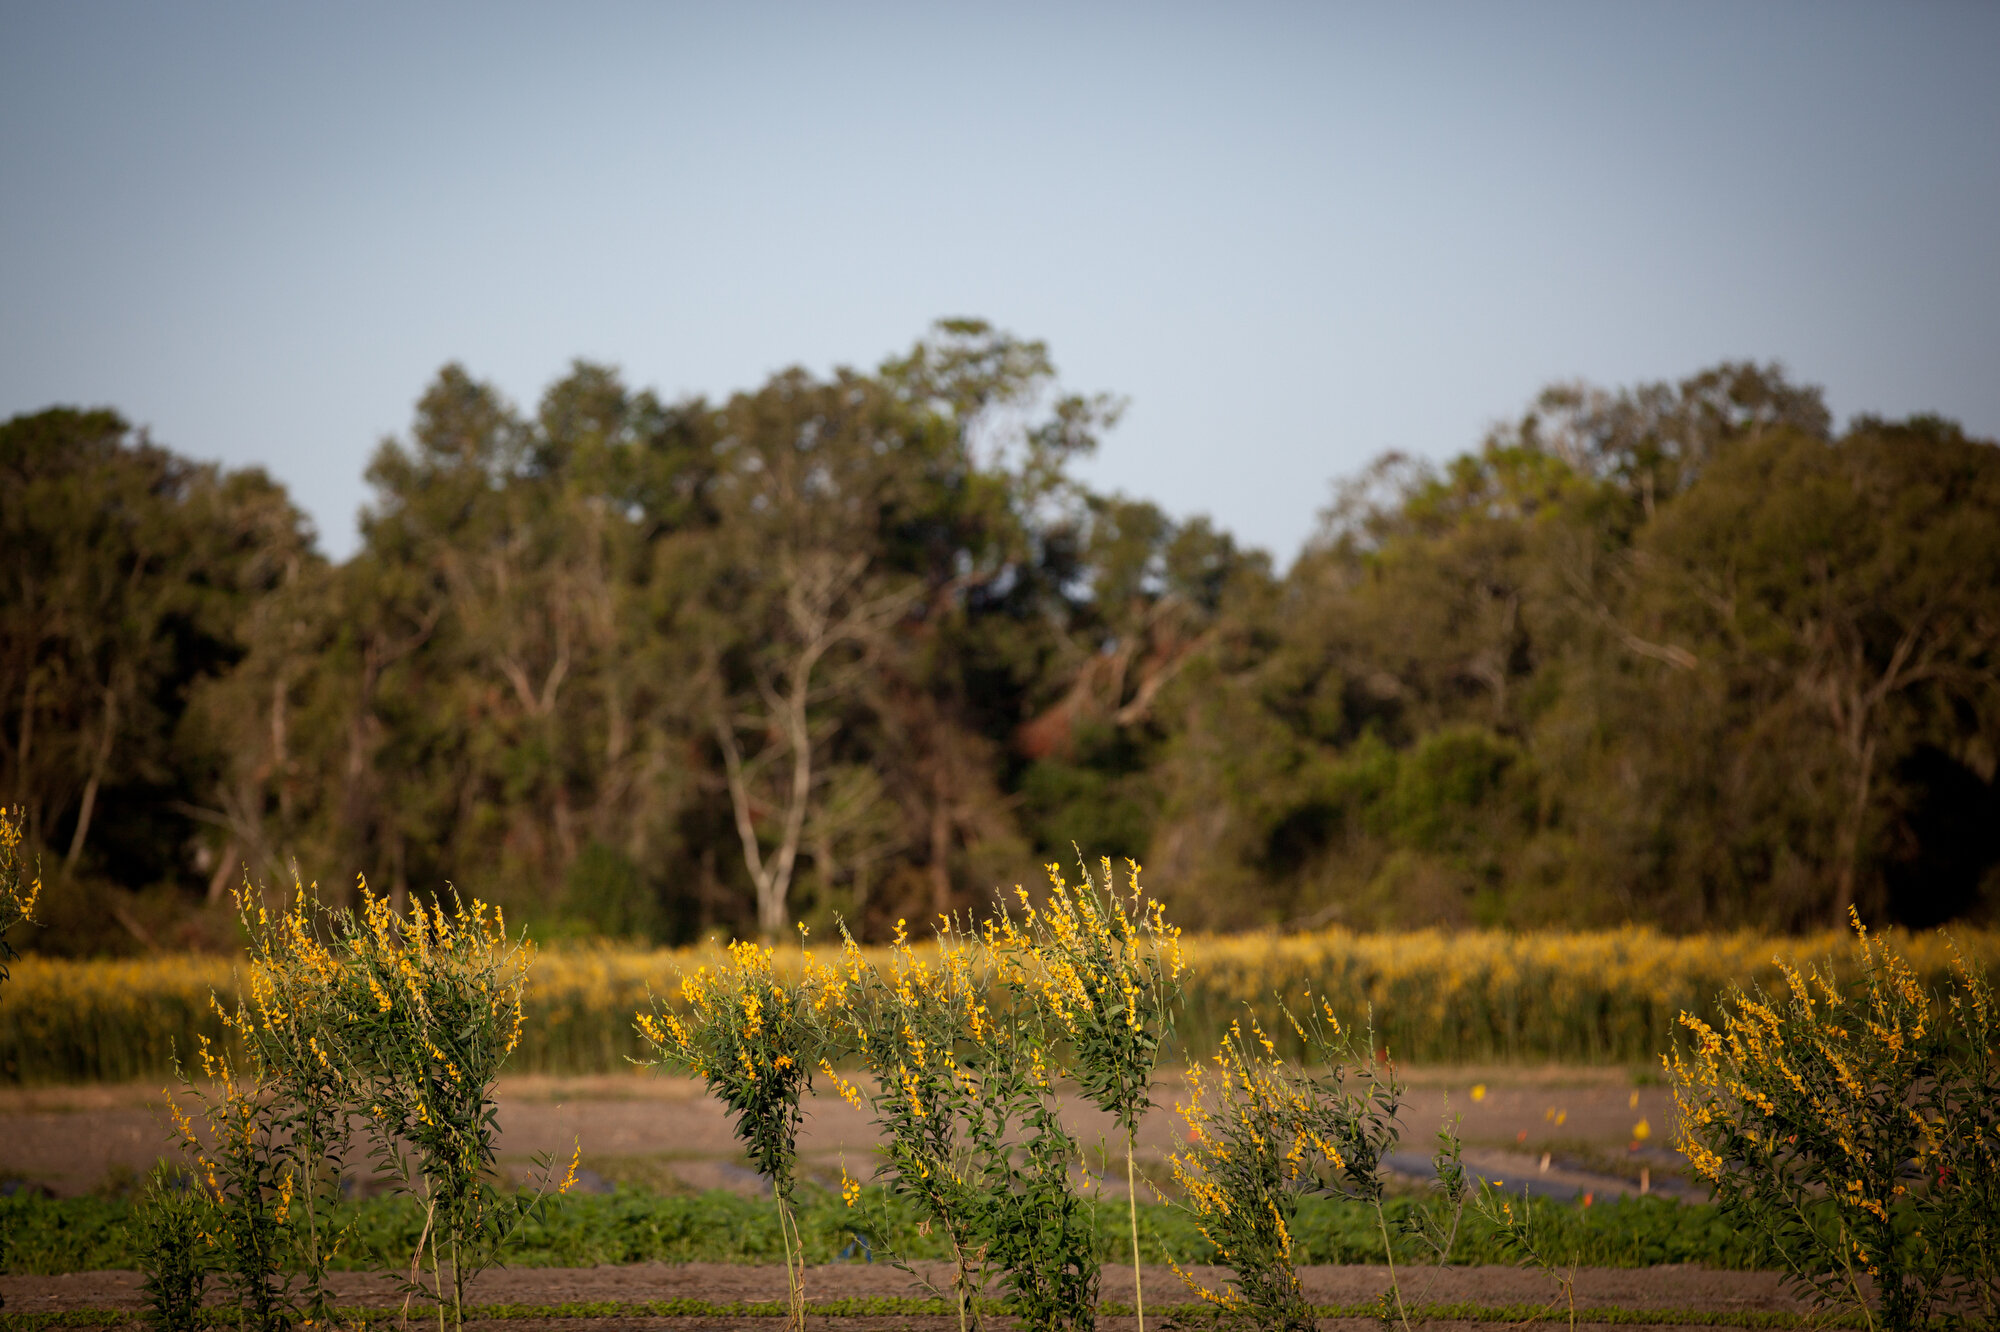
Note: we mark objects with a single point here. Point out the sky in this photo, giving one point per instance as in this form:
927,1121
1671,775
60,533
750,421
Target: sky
1291,236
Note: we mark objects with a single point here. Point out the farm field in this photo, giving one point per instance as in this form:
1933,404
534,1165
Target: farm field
1558,1127
1529,998
648,1133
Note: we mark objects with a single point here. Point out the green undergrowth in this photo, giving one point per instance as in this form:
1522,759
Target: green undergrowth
52,1236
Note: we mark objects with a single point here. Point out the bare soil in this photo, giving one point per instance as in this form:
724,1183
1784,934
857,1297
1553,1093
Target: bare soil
1563,1131
1679,1287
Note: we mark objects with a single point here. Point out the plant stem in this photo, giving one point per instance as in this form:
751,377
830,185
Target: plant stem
1132,1206
794,1276
1389,1253
437,1280
417,1257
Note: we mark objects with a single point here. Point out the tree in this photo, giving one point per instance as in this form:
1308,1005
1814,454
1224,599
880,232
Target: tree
1862,577
129,577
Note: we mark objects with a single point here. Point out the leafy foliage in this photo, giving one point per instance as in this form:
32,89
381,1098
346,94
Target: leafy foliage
18,892
169,1229
754,1037
964,1097
851,645
1855,1127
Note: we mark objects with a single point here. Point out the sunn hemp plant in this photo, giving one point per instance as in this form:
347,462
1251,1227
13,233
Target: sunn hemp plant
1241,1170
908,1026
427,1008
1260,1131
294,986
18,892
401,1022
1105,971
1855,1127
972,1132
754,1036
251,1174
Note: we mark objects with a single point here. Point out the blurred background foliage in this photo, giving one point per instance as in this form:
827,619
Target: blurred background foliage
1680,654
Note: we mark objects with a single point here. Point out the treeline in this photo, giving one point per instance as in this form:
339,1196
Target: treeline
864,646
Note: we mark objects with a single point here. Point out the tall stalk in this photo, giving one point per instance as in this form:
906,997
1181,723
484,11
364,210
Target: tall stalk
1132,1207
1389,1256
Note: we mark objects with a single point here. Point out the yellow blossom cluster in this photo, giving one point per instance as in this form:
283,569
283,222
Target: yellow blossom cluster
19,891
1249,1141
1866,1089
1584,997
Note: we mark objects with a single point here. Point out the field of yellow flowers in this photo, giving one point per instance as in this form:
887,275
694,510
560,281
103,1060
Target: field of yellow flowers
1598,997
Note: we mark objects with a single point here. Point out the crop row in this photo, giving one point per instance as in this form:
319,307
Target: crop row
1597,997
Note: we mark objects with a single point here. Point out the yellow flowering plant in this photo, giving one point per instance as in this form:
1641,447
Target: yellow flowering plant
1104,969
291,1027
18,890
18,893
423,1009
1259,1131
248,1171
971,1132
1523,1229
1350,1111
753,1034
1243,1163
1855,1127
907,1023
1603,997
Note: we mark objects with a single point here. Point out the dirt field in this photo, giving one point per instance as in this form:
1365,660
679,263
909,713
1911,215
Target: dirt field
1561,1131
1654,1288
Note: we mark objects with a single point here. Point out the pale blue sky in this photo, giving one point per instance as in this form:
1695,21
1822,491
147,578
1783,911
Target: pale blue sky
1292,236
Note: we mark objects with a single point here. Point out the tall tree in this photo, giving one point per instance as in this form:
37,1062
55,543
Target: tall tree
129,577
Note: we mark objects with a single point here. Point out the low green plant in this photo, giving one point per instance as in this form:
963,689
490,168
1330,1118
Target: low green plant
240,1153
629,1225
170,1231
754,1037
1527,1235
1855,1128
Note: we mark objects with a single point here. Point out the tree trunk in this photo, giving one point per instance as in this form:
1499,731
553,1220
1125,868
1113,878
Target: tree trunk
97,767
220,879
1850,836
27,741
940,866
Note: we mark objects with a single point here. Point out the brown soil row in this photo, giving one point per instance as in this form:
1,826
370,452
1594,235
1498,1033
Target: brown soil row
1677,1287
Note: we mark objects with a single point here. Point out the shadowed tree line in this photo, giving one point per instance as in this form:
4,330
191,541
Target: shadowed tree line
864,645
